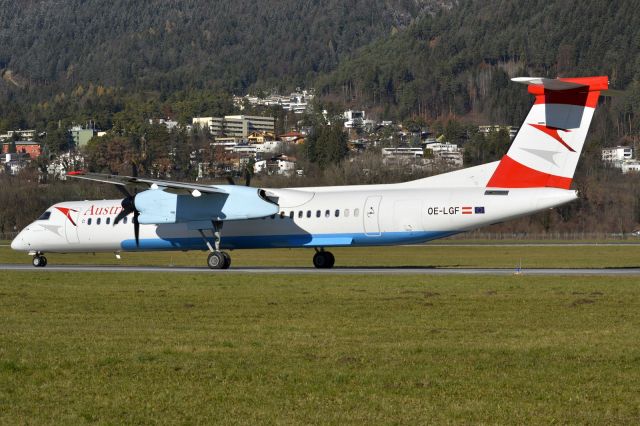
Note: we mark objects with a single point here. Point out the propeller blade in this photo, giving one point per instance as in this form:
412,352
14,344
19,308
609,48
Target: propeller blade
128,207
136,227
121,216
124,191
247,178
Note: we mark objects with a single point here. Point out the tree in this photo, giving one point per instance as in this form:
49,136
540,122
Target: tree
327,144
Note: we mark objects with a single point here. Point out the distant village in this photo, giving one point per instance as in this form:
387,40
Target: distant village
251,141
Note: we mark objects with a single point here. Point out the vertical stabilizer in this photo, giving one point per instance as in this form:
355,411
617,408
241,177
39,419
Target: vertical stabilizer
546,150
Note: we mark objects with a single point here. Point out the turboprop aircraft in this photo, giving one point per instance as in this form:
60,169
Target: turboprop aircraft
534,175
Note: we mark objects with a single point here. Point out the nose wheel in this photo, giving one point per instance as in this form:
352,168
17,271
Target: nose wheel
323,259
39,261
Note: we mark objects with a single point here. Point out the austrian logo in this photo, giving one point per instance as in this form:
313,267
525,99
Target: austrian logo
67,212
553,132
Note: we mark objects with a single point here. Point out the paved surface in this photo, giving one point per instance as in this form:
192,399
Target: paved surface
343,270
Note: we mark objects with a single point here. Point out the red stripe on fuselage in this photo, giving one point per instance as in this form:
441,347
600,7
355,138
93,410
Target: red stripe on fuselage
511,174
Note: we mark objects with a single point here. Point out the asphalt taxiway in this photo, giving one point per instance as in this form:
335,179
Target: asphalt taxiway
335,271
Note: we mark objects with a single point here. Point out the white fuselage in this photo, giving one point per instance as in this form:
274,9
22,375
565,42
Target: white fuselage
308,217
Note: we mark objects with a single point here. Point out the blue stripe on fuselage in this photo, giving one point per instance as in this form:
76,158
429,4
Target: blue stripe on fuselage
287,241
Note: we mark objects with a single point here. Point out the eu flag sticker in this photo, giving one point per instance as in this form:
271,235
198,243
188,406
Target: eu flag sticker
479,210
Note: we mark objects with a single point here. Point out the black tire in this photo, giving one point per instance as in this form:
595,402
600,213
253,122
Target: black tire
216,260
321,260
36,261
44,261
331,260
227,260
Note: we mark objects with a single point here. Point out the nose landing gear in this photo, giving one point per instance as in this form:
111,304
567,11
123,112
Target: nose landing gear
39,261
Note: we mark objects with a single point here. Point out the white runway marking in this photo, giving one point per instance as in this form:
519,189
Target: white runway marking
334,271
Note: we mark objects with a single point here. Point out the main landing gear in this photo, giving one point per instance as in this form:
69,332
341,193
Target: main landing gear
217,259
39,261
323,259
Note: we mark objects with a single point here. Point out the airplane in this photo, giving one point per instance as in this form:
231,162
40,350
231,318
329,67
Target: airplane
534,175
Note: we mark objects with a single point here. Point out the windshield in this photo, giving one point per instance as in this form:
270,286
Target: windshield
45,215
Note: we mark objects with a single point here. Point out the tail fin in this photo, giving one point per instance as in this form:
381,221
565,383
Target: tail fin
546,150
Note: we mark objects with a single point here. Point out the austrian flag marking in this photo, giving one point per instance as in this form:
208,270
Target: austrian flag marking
472,210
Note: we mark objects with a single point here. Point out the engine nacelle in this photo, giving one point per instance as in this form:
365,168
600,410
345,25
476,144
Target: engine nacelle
157,206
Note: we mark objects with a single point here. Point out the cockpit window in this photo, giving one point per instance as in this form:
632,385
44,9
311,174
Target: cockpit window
45,216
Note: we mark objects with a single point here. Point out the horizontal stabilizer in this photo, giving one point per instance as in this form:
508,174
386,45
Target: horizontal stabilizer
592,83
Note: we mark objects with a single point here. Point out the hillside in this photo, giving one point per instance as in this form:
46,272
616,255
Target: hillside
83,60
170,45
458,61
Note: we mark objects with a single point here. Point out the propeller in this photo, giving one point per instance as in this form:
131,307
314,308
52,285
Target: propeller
128,207
247,178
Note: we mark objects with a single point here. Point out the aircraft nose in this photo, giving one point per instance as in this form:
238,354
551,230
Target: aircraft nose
19,243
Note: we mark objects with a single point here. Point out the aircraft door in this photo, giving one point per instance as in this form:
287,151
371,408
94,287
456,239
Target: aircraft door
371,216
71,226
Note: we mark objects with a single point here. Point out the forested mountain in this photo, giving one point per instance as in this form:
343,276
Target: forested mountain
172,45
81,60
458,61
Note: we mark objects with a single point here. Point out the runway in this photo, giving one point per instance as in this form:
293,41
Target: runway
334,271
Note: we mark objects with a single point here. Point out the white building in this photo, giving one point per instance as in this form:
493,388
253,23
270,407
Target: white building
236,125
446,152
513,130
617,153
268,147
297,102
260,166
286,167
402,152
353,119
245,150
23,135
630,166
169,124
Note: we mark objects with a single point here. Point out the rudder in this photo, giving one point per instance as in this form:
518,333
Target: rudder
546,150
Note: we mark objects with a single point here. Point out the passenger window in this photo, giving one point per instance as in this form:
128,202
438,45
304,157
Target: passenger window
356,212
327,213
318,213
108,220
89,221
291,214
308,213
346,212
300,213
45,216
337,212
98,221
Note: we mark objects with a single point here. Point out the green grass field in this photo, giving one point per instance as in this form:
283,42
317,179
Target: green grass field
113,348
593,256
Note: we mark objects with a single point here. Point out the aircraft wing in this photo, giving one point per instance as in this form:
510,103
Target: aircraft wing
165,201
150,183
